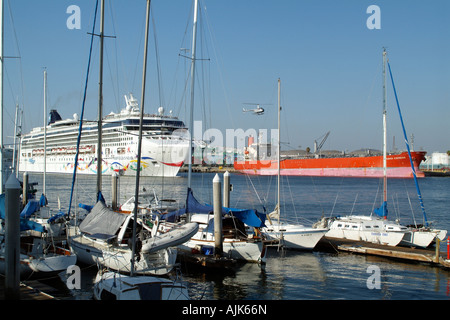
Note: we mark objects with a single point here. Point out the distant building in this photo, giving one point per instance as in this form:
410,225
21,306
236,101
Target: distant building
437,161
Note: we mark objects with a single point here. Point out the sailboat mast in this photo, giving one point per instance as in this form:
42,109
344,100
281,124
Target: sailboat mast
15,154
384,131
191,115
100,103
45,130
279,150
141,121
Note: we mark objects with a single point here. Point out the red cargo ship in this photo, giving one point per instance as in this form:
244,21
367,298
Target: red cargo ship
398,166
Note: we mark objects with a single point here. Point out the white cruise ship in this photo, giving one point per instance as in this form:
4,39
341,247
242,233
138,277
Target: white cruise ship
164,149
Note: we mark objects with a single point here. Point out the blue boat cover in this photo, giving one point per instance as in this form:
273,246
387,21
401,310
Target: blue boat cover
250,217
382,211
31,207
43,201
56,217
25,223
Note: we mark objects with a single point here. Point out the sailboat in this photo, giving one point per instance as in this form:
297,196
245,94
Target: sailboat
289,235
39,255
236,243
112,285
112,239
373,228
423,235
54,223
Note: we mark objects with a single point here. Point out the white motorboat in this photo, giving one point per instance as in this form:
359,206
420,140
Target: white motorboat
116,286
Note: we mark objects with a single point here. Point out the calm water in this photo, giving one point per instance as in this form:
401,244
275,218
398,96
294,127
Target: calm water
293,275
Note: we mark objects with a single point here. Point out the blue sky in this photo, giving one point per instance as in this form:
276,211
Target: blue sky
328,60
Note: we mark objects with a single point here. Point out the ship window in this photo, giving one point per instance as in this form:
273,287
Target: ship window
368,227
355,227
339,225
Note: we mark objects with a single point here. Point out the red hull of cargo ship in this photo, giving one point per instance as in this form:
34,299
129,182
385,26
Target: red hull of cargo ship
398,166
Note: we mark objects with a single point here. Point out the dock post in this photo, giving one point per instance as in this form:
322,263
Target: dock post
226,189
12,249
438,249
25,189
115,179
448,248
218,244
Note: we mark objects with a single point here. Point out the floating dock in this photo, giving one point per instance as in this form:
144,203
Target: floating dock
433,256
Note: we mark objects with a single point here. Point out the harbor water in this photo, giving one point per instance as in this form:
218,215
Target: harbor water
288,275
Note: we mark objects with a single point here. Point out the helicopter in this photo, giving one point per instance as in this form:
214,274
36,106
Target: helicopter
257,111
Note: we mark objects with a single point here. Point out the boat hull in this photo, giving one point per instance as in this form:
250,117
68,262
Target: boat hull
422,238
366,229
41,266
246,251
158,159
113,286
398,166
293,236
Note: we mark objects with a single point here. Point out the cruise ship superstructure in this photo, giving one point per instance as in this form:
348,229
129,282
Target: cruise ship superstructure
164,147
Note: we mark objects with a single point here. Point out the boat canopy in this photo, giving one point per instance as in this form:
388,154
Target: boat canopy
102,221
250,217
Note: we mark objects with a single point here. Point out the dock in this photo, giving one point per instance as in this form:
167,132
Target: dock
208,169
205,261
432,256
28,291
436,173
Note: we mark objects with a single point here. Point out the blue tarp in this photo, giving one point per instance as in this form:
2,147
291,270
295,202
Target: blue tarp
31,207
56,217
86,207
382,211
2,206
25,223
43,201
250,217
